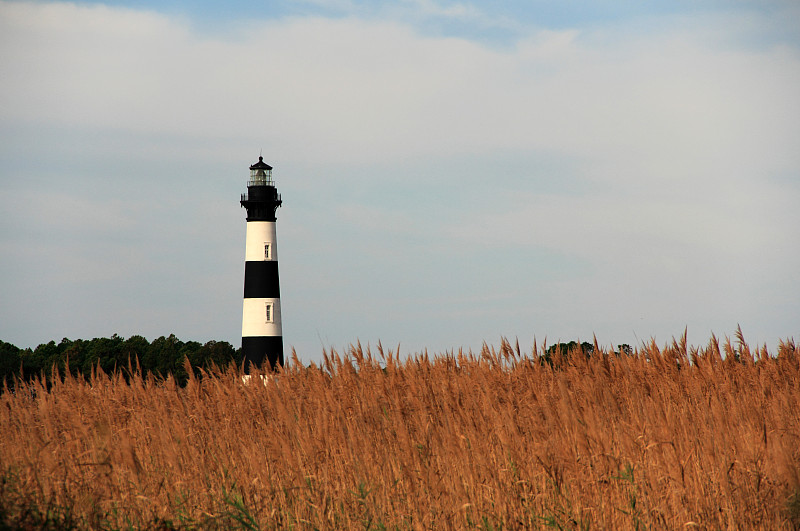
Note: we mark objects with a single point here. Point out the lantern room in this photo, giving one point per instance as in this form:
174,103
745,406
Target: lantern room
260,174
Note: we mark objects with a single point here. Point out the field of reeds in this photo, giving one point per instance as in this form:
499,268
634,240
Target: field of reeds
670,437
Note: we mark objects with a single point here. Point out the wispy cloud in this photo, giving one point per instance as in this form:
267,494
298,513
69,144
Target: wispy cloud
450,10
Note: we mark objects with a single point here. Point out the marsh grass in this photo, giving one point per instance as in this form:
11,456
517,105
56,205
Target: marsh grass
676,437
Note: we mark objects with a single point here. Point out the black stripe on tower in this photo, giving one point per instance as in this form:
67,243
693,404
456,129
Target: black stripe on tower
261,280
256,349
261,202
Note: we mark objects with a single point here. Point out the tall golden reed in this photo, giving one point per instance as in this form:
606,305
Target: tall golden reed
666,438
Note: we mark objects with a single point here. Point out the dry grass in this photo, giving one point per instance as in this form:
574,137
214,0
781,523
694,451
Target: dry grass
668,438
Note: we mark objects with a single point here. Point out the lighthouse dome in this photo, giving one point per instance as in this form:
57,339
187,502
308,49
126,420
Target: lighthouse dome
261,165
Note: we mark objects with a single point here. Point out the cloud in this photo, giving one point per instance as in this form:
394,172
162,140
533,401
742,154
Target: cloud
453,10
354,88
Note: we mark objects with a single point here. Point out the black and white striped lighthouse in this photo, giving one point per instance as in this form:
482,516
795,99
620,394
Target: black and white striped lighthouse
262,337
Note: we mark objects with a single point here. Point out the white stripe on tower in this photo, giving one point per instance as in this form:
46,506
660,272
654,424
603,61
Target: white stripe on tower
261,234
261,317
262,336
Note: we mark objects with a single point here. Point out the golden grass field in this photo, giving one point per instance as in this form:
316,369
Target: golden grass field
670,437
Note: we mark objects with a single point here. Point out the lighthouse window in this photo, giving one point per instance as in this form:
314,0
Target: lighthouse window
266,252
269,312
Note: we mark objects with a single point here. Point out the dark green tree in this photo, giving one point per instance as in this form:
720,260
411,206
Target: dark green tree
214,353
10,360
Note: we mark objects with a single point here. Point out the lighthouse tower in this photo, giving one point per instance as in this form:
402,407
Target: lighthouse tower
262,337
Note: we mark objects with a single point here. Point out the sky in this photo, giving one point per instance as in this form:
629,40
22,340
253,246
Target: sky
451,172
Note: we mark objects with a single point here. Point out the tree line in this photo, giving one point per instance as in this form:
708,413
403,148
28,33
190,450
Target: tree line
162,356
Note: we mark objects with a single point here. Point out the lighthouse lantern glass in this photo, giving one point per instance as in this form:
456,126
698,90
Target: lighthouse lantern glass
261,177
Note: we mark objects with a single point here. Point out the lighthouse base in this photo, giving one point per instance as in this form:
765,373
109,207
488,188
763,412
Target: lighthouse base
257,350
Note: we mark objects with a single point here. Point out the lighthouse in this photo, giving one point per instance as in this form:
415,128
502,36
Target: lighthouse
262,338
